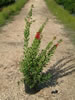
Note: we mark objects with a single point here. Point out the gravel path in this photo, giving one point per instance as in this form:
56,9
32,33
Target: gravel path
11,51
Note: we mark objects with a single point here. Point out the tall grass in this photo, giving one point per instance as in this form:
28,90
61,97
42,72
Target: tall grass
6,12
64,17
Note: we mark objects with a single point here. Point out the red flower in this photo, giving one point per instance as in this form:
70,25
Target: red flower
37,35
57,45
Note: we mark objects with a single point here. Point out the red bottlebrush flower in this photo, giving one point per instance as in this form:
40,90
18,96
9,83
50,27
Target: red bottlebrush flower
37,35
57,45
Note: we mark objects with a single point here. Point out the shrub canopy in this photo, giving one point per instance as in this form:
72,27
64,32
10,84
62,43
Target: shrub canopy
68,4
6,2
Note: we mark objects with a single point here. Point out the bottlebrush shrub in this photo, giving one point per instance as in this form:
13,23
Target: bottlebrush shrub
33,62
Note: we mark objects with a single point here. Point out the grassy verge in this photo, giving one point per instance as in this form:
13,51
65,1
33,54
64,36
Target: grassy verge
7,12
64,16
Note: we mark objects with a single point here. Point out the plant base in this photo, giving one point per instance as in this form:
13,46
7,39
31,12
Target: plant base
32,90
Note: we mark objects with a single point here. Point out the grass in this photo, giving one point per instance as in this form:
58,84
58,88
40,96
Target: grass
7,12
64,16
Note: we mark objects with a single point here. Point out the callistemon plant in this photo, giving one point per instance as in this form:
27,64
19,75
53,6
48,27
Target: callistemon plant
34,61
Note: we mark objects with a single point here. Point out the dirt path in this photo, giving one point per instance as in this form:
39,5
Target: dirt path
11,51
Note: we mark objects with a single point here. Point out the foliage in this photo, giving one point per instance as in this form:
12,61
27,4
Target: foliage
5,2
34,61
11,10
68,4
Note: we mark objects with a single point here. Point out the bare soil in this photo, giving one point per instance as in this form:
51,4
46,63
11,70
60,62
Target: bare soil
62,64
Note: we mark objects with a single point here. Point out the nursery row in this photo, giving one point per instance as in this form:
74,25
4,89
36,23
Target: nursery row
11,10
64,16
5,2
67,4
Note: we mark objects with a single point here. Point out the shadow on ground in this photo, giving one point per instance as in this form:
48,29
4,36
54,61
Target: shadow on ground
61,68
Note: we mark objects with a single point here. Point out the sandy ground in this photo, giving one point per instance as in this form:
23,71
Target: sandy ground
11,51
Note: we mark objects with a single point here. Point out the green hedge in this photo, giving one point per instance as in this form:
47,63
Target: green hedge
6,2
11,10
68,4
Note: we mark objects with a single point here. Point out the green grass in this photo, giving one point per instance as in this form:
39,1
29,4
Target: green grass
7,12
64,17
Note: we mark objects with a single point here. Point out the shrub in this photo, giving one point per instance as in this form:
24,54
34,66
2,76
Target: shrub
68,4
34,61
5,2
10,10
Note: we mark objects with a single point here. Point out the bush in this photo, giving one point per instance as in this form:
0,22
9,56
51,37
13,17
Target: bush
5,2
34,61
10,10
60,1
68,4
